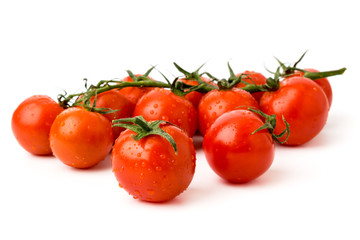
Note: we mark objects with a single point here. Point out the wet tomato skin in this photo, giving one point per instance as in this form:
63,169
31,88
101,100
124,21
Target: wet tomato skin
233,152
322,82
133,94
303,104
194,97
149,169
80,138
162,104
253,77
31,123
114,100
217,102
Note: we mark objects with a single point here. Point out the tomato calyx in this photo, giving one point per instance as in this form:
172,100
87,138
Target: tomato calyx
181,89
272,83
230,82
83,98
143,77
190,75
142,128
288,71
270,124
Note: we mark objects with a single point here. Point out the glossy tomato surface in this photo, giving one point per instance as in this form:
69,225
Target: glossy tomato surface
217,102
114,100
149,169
303,104
162,104
233,152
133,94
322,82
31,123
80,138
252,77
194,97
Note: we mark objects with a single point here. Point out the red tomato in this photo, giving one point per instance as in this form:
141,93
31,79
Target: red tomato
322,82
80,138
162,104
116,101
253,78
233,152
133,94
304,105
31,123
194,97
149,169
217,102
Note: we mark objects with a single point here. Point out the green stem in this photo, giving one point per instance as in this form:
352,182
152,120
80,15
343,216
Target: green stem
142,128
64,101
318,75
270,124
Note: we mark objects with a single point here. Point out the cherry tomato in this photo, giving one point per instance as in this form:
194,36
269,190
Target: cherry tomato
80,138
194,97
217,102
252,78
162,104
114,100
133,94
303,104
149,169
233,152
322,82
31,123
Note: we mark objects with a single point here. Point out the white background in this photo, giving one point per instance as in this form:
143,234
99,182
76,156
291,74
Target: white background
310,192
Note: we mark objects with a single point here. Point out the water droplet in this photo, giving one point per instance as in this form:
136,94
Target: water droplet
151,111
156,105
138,155
158,168
162,156
143,164
150,191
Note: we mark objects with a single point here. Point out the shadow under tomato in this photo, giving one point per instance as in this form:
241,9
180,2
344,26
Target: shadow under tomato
197,141
43,157
191,195
272,176
104,165
323,139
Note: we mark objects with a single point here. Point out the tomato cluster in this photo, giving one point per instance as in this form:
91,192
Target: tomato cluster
148,125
